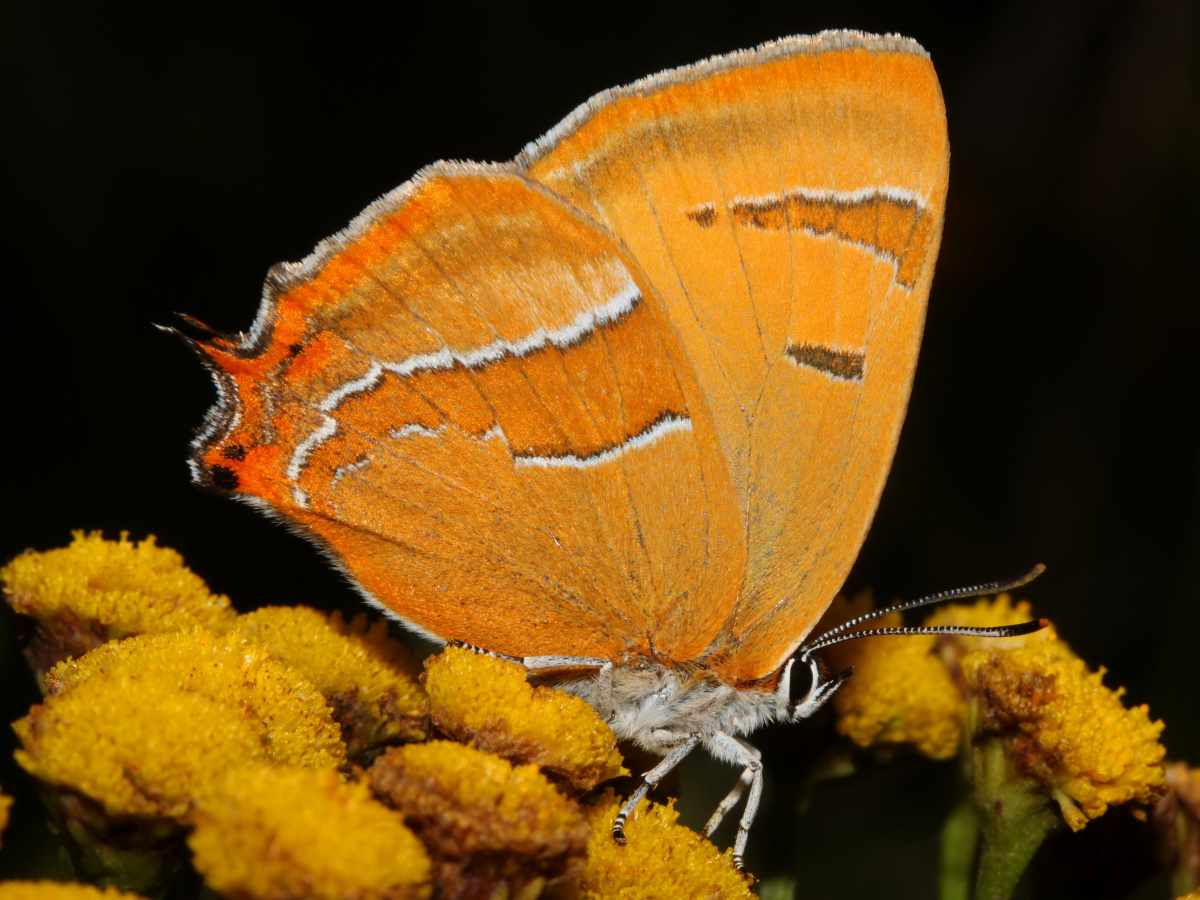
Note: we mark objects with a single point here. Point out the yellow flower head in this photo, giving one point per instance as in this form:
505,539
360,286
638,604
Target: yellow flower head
901,691
5,804
1065,729
143,725
59,890
486,822
907,688
661,860
370,681
983,613
487,702
296,725
96,590
135,746
277,833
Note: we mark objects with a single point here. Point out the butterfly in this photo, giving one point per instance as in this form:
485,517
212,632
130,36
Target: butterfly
626,403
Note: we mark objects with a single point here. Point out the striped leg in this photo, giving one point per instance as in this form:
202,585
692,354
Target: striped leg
732,798
649,780
748,756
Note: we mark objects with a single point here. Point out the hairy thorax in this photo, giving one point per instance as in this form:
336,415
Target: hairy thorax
657,706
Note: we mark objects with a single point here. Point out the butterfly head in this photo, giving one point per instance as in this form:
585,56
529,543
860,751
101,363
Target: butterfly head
804,688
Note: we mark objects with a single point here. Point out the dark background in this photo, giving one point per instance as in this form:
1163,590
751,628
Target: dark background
159,159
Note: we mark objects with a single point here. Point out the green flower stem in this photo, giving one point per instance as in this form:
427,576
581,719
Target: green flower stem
1016,817
1186,876
959,841
778,888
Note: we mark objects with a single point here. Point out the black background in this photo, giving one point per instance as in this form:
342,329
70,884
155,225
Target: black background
159,158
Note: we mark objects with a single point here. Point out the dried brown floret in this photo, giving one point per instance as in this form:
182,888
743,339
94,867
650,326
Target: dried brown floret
369,680
1065,729
488,824
487,701
1177,825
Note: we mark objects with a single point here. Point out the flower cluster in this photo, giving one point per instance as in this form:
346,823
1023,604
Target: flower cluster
474,698
1061,726
284,753
1040,738
641,870
368,679
901,692
96,590
111,728
1065,729
484,820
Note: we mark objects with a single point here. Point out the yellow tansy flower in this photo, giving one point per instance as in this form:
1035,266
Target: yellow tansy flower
277,833
5,805
901,691
984,613
1066,730
59,890
296,724
907,688
139,730
488,702
369,680
96,590
488,823
135,746
661,860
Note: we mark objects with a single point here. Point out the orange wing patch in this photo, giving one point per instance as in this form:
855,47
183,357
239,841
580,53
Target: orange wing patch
474,384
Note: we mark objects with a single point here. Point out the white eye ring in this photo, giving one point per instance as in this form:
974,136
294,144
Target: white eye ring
819,691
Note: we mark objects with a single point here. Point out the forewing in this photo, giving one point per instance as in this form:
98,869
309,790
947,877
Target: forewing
474,401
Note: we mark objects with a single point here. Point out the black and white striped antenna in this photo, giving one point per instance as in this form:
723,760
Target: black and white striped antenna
838,635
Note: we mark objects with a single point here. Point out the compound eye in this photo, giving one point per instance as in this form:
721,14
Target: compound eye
802,682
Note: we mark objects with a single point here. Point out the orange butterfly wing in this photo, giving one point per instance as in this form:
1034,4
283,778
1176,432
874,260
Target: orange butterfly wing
472,399
647,411
787,203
